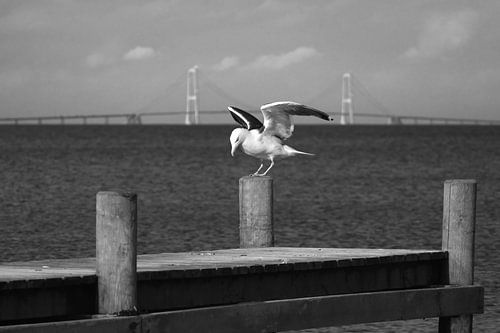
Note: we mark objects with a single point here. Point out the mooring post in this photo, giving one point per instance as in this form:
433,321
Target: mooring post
256,211
116,251
459,218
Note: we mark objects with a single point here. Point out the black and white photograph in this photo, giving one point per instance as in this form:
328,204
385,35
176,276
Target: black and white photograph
192,166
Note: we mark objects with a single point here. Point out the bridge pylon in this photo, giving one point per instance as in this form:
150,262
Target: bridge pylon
192,96
347,108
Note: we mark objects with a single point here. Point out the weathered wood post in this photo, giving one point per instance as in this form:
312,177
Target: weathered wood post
116,251
459,218
256,211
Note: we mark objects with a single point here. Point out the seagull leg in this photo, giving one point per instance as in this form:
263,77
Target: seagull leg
256,173
265,172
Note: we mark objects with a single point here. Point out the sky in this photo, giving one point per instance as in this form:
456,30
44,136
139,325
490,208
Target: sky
420,58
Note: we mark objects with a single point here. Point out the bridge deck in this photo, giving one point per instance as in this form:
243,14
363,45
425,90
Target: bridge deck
136,118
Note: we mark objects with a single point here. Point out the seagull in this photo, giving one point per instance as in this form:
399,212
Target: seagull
265,141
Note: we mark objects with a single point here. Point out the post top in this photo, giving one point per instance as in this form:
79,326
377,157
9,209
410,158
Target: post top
256,178
460,181
118,193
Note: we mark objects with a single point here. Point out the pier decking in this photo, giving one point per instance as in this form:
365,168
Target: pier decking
184,280
196,280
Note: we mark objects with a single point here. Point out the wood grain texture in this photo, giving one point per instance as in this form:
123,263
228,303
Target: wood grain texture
116,251
311,312
459,219
290,314
190,279
41,273
256,211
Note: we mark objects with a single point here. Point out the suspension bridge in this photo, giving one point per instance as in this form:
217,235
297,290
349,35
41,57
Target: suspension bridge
352,88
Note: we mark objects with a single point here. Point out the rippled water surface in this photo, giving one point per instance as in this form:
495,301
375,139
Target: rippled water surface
367,186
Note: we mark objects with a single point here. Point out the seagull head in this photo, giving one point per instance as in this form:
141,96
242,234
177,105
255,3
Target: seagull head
237,137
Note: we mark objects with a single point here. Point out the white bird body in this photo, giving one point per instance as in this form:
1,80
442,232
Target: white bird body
265,141
264,146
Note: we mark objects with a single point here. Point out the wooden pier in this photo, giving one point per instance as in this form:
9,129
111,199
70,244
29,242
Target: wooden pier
251,289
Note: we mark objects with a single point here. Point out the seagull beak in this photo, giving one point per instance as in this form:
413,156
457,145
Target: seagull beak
234,146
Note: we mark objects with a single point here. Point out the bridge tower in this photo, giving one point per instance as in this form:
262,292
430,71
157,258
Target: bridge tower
346,106
192,96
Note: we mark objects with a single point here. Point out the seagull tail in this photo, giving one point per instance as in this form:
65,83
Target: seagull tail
292,151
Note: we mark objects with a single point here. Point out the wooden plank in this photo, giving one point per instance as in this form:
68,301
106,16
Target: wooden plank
290,314
26,282
210,261
323,311
21,304
255,258
97,325
260,284
222,280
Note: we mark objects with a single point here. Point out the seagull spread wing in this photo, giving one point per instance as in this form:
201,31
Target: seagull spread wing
244,118
278,120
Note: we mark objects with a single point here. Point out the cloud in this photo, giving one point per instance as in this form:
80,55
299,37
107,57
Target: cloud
139,53
226,63
97,59
280,61
443,33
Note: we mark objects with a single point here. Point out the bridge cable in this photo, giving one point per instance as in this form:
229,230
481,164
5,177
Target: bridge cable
359,87
222,93
166,92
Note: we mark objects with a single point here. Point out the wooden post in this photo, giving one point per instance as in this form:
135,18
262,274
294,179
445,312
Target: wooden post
459,217
256,211
116,252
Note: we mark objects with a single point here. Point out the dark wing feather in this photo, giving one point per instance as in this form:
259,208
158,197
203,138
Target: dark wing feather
244,118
